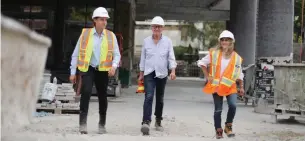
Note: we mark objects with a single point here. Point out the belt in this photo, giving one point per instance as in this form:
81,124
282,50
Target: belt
94,68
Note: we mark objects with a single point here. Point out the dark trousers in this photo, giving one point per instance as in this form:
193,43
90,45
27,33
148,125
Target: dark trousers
150,84
218,102
100,78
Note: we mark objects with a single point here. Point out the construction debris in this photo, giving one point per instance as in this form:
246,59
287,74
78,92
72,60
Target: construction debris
63,101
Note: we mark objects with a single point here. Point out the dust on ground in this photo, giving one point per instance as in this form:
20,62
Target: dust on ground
188,115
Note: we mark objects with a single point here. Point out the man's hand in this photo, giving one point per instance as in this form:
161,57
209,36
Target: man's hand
141,76
72,79
241,91
172,76
111,72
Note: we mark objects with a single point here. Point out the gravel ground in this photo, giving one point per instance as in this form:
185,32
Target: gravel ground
188,115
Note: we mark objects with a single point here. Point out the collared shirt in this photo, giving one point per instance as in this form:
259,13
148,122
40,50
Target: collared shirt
205,61
157,57
95,58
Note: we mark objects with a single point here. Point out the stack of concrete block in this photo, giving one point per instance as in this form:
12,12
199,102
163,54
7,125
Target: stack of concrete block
65,100
66,92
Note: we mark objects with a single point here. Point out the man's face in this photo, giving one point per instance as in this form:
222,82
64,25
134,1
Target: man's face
100,22
157,29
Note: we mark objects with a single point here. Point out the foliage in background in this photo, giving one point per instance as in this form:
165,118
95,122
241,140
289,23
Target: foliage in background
179,52
297,21
212,31
208,35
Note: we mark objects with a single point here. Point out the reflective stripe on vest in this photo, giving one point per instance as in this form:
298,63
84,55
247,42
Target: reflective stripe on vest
86,50
107,51
223,84
235,73
83,63
215,56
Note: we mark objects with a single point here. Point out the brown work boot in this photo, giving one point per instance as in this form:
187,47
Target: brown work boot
229,130
83,123
219,132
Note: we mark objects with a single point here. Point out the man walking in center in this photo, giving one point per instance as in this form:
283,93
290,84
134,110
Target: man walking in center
96,57
156,58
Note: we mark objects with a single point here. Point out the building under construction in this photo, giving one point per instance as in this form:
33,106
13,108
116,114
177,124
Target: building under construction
263,28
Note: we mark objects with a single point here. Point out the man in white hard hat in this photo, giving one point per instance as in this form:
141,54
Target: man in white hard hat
157,58
225,70
95,57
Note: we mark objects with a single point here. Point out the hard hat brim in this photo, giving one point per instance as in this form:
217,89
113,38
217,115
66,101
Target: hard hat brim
100,17
157,24
226,37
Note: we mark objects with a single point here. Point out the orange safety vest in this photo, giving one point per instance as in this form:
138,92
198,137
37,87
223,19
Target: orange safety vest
226,84
86,50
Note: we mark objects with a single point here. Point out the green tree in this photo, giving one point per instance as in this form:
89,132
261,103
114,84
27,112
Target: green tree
298,20
78,14
212,30
208,35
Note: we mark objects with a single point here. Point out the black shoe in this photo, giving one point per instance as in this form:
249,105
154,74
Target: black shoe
158,125
101,125
83,123
145,127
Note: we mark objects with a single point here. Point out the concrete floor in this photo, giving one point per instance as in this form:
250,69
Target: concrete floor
188,115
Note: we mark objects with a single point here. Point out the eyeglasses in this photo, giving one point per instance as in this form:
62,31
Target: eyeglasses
156,26
225,39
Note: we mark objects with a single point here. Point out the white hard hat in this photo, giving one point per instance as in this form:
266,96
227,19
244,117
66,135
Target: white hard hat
100,12
226,34
157,20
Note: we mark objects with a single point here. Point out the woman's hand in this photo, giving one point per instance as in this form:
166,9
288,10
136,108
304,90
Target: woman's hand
210,79
241,92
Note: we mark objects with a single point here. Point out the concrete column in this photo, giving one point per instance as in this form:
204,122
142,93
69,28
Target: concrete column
124,24
243,25
275,28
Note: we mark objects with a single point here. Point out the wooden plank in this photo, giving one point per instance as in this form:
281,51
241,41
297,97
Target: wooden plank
63,108
59,110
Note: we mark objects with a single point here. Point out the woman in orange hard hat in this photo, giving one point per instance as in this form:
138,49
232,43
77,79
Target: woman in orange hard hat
224,70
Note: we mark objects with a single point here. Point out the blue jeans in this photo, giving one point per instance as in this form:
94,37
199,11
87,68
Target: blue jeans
150,84
218,102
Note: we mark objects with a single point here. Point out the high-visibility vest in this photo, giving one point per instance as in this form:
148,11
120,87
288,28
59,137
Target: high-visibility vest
226,84
86,50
